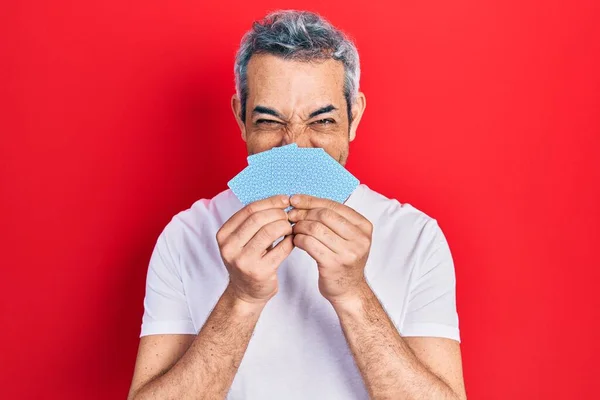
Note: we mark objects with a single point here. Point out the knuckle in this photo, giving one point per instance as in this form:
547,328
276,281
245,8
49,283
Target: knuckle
281,214
313,228
339,219
275,201
255,219
279,227
267,231
288,228
235,235
220,236
334,206
320,252
251,209
273,215
323,213
227,253
351,257
297,239
365,243
369,226
299,226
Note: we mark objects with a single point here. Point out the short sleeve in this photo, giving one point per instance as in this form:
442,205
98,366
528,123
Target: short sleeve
431,309
165,306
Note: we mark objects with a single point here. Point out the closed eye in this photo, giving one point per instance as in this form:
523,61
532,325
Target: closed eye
267,122
325,121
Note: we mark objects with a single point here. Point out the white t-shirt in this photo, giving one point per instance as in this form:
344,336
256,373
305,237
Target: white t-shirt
298,350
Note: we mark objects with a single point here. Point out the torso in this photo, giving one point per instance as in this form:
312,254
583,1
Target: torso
298,350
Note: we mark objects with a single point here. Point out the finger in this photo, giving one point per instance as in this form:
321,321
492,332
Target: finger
246,231
322,233
264,238
239,217
331,219
306,202
277,254
317,250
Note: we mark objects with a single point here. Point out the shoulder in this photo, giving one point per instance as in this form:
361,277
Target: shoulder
382,210
399,226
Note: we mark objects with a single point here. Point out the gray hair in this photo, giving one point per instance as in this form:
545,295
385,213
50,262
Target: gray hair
302,36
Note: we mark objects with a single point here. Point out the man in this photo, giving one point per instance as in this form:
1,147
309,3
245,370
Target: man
357,301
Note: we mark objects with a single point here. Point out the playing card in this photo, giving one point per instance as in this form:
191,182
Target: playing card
293,170
331,180
247,185
301,170
275,163
265,155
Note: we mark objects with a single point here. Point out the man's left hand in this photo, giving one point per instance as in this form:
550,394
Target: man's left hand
338,238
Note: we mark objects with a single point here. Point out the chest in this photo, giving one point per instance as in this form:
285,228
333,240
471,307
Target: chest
298,349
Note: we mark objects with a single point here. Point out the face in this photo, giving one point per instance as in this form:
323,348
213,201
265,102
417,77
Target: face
297,102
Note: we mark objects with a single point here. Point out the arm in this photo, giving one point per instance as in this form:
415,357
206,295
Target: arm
339,239
203,366
167,368
390,368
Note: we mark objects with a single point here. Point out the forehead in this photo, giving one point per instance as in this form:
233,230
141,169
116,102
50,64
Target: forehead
275,81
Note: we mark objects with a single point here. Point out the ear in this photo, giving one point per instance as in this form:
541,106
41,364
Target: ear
236,107
358,108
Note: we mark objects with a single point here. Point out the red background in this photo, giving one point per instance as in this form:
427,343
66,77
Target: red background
116,116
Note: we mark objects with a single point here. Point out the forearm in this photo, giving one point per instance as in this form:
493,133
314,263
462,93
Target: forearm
389,368
207,369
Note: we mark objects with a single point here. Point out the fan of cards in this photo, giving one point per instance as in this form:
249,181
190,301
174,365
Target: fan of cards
293,170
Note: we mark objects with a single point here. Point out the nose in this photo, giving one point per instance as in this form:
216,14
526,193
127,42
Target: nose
299,143
287,139
297,136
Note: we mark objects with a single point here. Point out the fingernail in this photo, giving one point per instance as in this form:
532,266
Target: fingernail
285,199
295,200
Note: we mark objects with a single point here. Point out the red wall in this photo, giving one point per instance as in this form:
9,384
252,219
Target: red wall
485,115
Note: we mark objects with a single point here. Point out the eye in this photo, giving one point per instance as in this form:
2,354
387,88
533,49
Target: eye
325,121
266,122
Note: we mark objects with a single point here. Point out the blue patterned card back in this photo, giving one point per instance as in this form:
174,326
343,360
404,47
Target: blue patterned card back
265,155
292,170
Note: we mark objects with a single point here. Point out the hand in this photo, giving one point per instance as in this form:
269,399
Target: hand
245,242
338,238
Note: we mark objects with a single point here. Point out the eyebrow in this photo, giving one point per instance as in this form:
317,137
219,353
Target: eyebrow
322,110
267,110
275,113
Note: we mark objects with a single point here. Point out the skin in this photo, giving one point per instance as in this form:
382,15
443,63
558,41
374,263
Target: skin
303,103
293,91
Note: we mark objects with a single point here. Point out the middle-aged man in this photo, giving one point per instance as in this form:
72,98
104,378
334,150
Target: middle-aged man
357,301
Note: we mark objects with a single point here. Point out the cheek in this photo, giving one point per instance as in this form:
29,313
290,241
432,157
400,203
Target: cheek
260,141
335,145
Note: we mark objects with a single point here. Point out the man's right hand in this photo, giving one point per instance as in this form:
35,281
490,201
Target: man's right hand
245,244
204,365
